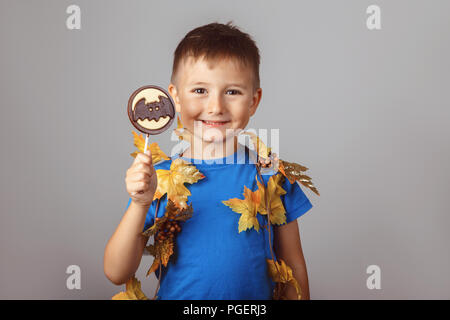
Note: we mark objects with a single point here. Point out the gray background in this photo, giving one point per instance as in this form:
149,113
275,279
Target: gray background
366,111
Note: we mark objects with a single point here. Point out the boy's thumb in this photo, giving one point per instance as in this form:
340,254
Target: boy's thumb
147,152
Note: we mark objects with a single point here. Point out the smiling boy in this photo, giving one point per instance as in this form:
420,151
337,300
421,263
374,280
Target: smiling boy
215,87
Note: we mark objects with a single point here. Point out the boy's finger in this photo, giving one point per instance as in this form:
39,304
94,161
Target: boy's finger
143,167
142,157
139,176
149,154
140,167
138,187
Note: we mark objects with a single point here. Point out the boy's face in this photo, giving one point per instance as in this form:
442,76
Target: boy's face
220,91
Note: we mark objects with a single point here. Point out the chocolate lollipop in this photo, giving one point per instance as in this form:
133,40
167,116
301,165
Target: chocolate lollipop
151,111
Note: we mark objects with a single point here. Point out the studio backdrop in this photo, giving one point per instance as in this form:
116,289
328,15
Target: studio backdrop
359,91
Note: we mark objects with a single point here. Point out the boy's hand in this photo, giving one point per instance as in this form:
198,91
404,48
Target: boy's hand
141,179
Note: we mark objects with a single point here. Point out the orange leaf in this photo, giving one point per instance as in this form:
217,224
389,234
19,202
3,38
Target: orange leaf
157,154
283,273
153,267
161,250
247,208
133,291
274,191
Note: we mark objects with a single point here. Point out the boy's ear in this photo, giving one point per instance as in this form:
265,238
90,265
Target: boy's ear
255,101
174,94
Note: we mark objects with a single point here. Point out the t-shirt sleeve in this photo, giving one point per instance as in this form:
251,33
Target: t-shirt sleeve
295,201
150,217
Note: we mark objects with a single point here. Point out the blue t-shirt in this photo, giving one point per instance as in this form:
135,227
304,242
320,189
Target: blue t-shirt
212,260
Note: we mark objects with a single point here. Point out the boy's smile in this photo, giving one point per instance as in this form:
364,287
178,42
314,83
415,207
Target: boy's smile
217,97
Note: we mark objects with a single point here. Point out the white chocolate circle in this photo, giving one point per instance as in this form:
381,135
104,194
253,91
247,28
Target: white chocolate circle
152,124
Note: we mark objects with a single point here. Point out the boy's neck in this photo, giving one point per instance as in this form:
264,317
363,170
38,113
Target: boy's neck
202,150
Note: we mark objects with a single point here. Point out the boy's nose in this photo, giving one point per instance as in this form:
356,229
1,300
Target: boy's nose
215,104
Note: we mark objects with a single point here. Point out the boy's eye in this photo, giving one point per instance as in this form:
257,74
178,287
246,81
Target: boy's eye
199,90
233,91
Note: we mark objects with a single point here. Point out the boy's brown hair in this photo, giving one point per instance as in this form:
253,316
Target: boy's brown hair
217,40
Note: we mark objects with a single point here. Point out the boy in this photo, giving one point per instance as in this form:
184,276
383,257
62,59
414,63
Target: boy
215,87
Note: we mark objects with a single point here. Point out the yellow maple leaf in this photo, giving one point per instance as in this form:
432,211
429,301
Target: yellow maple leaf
157,154
281,272
274,191
133,291
294,172
259,145
247,207
172,181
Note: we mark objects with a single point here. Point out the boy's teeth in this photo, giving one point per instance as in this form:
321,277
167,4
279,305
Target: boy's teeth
213,122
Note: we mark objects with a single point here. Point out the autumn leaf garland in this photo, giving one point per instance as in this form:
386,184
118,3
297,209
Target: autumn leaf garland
271,206
171,183
265,201
164,246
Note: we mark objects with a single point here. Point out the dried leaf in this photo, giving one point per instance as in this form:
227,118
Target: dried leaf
133,291
259,145
283,273
294,172
166,250
274,191
175,213
247,208
172,181
153,267
184,216
161,250
157,154
172,212
154,228
151,249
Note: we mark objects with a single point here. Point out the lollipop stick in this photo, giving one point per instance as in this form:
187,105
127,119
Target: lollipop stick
146,143
145,150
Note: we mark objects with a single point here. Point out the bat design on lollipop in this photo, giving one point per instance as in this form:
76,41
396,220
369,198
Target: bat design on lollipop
151,111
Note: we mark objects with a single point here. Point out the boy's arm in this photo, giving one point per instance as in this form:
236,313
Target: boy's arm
123,252
287,246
